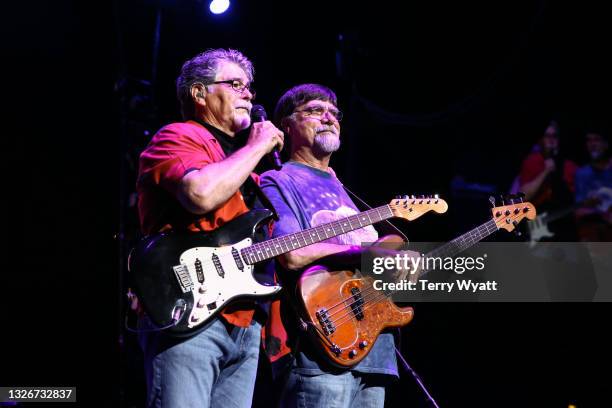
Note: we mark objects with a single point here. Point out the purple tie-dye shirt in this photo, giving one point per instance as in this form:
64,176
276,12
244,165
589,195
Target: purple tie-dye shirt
306,197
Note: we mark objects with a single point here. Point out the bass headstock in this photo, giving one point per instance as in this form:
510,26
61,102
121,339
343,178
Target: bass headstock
412,207
508,216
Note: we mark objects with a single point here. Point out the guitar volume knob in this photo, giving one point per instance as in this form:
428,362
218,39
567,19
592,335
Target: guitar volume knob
363,344
352,353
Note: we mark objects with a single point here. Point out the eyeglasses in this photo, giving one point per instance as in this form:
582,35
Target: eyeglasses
237,85
317,112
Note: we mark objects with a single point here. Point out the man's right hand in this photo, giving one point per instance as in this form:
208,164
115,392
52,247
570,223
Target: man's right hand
264,136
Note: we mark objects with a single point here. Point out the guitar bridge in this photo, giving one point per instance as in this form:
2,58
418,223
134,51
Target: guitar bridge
182,275
326,324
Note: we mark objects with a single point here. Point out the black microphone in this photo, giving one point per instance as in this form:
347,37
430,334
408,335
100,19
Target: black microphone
258,114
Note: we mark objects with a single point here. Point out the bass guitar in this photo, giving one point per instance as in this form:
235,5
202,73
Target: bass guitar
344,314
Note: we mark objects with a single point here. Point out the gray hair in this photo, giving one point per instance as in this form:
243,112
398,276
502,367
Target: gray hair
203,69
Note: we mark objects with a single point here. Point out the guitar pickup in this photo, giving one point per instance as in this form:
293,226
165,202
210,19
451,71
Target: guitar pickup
237,259
218,266
199,270
357,305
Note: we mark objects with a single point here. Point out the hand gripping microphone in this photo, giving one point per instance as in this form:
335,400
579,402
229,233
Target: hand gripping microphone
258,114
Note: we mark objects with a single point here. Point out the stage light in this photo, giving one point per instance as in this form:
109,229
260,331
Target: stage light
219,6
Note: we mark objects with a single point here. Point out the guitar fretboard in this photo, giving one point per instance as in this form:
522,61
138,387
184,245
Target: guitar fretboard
464,241
286,243
457,245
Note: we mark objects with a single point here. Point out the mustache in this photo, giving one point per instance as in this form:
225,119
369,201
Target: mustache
332,129
247,106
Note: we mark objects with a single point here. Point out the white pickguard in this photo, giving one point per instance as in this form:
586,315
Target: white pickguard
212,294
538,229
604,194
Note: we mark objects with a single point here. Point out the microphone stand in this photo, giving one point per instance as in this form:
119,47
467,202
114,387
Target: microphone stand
416,377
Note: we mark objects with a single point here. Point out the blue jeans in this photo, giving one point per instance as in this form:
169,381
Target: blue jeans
215,368
346,390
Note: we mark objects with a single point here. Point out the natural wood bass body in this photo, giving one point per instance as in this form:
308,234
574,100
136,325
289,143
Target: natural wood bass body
346,314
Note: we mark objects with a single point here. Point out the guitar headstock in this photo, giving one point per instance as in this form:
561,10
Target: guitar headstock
509,216
412,207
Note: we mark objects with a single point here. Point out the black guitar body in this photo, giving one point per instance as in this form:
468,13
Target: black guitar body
152,262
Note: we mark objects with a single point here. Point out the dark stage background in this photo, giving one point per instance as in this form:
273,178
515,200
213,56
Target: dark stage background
438,98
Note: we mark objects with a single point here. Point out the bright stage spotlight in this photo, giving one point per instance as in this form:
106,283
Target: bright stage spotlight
219,6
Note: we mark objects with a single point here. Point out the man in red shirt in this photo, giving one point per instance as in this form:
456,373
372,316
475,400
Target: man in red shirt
192,177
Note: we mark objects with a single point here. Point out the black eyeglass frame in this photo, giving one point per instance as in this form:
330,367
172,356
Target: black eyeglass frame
337,114
237,88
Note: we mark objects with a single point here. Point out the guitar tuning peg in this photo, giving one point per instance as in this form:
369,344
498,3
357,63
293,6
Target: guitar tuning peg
398,197
520,196
503,199
492,201
436,196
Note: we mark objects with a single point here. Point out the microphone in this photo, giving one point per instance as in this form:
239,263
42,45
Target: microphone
258,114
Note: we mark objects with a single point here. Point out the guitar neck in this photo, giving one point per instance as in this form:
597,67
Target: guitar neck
561,213
463,242
277,246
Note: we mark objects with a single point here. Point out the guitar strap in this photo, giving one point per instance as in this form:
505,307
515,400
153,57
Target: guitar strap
250,184
396,333
263,199
366,205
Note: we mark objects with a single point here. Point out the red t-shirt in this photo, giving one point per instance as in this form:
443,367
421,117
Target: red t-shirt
533,165
175,150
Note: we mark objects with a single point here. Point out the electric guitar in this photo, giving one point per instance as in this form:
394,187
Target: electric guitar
538,229
184,279
344,314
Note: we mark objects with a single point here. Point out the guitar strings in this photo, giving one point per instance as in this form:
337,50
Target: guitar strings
365,295
470,240
367,299
248,258
377,298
